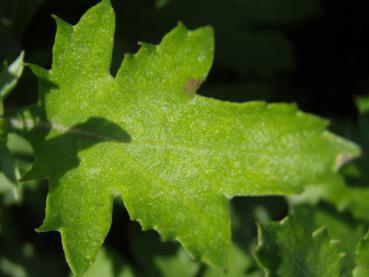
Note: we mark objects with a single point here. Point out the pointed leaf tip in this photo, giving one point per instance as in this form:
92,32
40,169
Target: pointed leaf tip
60,23
38,71
10,75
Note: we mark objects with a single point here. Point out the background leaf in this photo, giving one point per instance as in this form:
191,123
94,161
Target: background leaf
287,249
10,76
9,172
362,258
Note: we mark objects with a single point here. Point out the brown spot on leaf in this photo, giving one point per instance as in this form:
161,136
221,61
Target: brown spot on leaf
341,159
192,86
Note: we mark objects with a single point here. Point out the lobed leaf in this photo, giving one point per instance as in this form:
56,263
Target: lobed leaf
339,226
287,249
174,157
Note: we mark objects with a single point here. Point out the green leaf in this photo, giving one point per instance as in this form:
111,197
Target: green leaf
9,189
335,191
362,258
174,157
238,263
177,265
10,76
8,172
287,249
8,79
109,264
351,193
15,160
340,227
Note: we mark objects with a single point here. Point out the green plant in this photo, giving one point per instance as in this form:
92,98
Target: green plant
174,157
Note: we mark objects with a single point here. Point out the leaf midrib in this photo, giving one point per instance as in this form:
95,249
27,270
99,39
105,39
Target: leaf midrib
227,150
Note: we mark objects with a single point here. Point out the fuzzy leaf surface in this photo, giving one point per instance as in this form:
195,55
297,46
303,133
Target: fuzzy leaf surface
174,157
351,193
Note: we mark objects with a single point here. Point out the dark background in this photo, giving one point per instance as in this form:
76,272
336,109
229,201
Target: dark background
312,52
